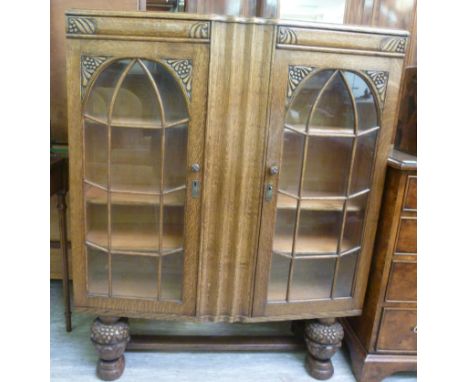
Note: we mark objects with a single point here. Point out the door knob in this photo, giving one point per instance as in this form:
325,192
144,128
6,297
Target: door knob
274,170
195,167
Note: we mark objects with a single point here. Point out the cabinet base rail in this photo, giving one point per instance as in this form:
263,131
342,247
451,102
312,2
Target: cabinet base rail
215,343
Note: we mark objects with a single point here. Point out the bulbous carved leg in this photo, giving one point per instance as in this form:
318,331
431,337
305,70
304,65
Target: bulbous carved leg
110,336
323,338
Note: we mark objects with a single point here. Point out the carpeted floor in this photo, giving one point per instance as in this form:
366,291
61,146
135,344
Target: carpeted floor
73,358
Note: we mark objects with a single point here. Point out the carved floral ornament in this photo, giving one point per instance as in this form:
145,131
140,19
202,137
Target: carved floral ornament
394,44
81,25
200,30
89,65
182,68
380,81
286,36
297,73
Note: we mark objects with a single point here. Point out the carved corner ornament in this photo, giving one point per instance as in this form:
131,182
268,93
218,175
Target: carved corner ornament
89,65
183,70
200,30
380,81
81,25
296,74
286,36
394,44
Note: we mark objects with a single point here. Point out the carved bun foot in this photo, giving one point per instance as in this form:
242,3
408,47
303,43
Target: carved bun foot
110,370
110,336
319,369
323,338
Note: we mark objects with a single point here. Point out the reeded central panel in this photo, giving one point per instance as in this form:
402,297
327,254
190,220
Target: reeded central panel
135,153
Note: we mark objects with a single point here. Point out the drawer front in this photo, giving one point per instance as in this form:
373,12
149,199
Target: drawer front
402,282
407,233
410,203
397,331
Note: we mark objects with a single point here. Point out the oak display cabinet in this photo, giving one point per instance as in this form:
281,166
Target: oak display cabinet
225,169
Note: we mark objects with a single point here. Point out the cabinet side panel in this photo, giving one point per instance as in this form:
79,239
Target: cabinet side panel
234,169
75,135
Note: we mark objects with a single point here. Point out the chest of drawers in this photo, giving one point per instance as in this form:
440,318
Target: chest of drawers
383,340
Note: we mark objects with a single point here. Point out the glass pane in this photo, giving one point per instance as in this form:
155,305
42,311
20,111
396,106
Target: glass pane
335,107
172,95
95,136
312,279
319,232
285,221
278,278
345,275
100,97
175,157
365,102
327,167
96,216
290,175
98,268
135,227
171,276
303,101
134,276
173,218
356,209
136,101
136,159
363,162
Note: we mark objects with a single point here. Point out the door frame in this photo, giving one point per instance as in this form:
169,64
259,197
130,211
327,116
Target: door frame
279,84
199,54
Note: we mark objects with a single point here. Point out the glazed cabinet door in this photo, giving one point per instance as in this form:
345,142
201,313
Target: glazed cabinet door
324,137
136,152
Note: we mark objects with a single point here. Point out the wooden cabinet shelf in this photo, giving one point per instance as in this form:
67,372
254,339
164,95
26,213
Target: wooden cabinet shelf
138,124
170,199
135,123
307,245
143,240
322,131
286,202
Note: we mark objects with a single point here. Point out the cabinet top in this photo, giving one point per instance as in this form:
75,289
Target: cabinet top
234,19
402,161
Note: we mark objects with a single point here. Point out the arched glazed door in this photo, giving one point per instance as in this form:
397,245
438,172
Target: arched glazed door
318,180
142,177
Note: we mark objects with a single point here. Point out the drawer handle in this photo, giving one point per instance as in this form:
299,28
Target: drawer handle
415,330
